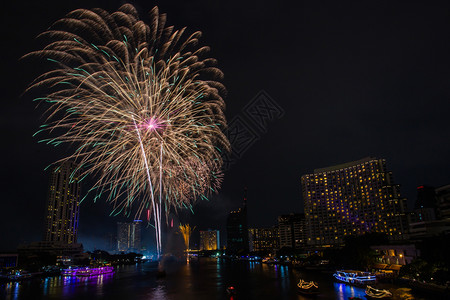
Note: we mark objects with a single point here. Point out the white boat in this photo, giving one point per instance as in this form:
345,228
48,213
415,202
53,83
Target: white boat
373,293
355,277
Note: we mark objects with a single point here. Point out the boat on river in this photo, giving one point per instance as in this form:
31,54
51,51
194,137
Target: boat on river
358,278
231,291
373,293
307,288
88,271
22,275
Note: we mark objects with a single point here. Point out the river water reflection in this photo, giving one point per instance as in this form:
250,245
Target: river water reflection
200,279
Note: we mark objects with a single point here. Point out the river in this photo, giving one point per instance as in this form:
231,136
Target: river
206,278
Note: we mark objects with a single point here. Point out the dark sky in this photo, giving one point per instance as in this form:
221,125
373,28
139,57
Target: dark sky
355,79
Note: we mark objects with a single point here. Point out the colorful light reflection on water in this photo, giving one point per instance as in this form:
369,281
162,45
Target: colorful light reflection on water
12,289
344,291
60,286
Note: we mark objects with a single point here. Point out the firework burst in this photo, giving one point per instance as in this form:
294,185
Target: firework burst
143,105
186,232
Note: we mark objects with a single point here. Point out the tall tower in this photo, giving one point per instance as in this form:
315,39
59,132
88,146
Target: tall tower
237,229
292,231
129,236
426,205
352,199
61,224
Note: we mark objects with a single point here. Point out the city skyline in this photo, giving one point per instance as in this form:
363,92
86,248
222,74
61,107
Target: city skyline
354,80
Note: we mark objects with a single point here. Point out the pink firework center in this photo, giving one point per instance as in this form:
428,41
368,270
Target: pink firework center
153,124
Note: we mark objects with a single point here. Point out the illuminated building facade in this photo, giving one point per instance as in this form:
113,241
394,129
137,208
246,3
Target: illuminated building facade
352,199
264,240
61,223
292,231
396,254
129,236
209,240
8,260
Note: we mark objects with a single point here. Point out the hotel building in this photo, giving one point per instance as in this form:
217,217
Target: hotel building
352,199
209,240
61,223
264,240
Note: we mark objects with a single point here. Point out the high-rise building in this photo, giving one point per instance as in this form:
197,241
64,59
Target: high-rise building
209,240
426,197
443,202
292,231
425,214
264,240
110,241
61,223
129,236
237,230
425,206
352,199
432,217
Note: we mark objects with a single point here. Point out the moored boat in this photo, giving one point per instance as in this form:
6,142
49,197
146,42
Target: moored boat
373,293
307,288
69,272
358,278
22,275
88,271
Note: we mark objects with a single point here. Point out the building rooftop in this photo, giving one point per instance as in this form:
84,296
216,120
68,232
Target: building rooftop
345,165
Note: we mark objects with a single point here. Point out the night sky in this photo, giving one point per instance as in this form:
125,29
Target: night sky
354,78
